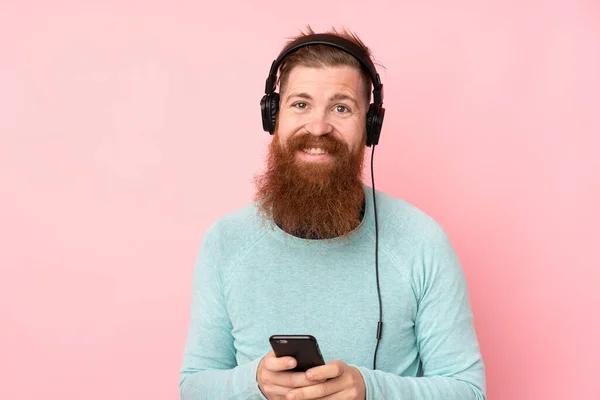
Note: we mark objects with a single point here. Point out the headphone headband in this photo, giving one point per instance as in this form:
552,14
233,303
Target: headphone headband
333,41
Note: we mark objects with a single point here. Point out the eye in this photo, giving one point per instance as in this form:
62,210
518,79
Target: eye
341,109
300,105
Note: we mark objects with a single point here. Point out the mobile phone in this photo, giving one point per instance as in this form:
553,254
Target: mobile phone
304,348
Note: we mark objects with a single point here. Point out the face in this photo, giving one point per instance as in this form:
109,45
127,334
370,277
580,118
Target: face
322,102
312,185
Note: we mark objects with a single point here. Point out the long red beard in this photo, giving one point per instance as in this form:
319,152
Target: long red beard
312,200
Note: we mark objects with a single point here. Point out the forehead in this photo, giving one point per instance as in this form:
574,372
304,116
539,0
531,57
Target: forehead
335,78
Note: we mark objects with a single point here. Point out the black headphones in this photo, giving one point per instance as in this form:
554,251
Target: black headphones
269,104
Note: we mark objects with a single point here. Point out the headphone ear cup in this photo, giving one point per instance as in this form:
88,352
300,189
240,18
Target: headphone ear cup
374,123
269,105
273,109
265,112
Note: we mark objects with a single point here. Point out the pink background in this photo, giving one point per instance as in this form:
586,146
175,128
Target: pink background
127,127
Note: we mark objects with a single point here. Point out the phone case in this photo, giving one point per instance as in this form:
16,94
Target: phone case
304,348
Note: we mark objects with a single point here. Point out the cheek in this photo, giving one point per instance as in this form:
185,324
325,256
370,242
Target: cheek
355,136
287,126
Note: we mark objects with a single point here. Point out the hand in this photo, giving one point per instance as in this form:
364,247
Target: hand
342,382
274,379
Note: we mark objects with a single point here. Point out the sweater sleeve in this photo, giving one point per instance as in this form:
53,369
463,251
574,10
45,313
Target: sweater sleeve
453,368
209,369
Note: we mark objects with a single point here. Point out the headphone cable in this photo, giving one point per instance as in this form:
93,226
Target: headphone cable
380,323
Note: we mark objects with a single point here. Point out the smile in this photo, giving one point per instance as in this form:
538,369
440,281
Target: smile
314,151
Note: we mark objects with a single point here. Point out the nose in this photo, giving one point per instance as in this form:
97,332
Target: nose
319,126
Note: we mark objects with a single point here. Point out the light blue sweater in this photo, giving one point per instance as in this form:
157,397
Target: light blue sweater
252,280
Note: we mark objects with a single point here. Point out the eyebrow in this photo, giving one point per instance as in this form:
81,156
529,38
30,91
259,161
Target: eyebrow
335,97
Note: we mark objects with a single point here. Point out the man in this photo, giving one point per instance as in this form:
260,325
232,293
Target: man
300,260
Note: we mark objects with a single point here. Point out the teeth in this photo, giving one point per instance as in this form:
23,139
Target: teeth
314,151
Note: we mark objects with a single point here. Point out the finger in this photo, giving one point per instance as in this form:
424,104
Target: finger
280,383
330,370
344,394
273,391
276,364
291,379
318,391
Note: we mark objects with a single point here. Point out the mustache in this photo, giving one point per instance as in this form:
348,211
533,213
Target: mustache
326,142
